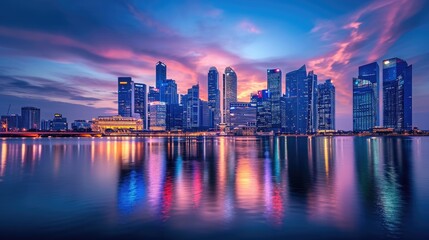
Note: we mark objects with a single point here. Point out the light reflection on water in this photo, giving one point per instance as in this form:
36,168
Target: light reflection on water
211,187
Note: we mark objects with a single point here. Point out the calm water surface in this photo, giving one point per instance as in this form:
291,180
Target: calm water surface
223,188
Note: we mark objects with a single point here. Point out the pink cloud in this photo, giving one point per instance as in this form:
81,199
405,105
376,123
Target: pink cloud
249,27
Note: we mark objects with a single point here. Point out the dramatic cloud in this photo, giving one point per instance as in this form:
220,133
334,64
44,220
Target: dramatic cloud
74,51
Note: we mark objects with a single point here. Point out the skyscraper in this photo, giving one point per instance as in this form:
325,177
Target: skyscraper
191,108
274,84
161,74
157,115
140,102
213,97
326,106
365,98
204,115
263,110
168,92
397,94
153,95
30,118
229,92
125,96
300,101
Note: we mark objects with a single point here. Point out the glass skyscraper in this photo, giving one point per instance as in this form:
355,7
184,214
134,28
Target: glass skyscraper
326,106
125,96
263,110
168,92
229,92
397,94
300,101
30,118
161,74
213,97
274,83
191,108
140,102
366,98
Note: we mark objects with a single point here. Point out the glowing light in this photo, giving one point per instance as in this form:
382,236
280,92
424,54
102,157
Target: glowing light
386,62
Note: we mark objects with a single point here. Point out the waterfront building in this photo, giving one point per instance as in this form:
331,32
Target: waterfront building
168,92
46,125
125,96
140,102
229,92
366,98
59,123
204,115
174,119
157,115
30,118
161,74
191,109
213,97
397,94
13,122
116,124
81,126
300,101
243,114
326,106
274,84
263,110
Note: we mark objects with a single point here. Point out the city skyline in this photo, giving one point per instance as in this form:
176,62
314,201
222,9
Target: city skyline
78,72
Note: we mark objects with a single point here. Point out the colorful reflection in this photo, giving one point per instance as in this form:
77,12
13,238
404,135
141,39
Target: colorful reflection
342,184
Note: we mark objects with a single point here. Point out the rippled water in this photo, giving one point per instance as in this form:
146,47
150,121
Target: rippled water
223,188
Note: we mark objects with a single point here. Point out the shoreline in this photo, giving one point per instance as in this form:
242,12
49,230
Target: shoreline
190,134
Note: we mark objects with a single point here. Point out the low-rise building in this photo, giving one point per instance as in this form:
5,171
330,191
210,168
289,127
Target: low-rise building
111,124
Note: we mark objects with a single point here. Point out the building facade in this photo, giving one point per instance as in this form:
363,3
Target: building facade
140,102
168,92
191,108
263,110
243,114
30,118
116,124
274,84
213,94
157,116
161,74
397,94
125,96
296,101
59,123
326,106
174,117
229,92
366,98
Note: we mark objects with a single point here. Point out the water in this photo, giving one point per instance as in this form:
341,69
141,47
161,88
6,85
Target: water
215,188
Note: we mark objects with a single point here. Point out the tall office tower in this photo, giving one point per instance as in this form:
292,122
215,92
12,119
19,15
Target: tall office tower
174,117
365,98
297,101
397,94
312,102
157,115
140,102
326,106
153,95
283,112
263,111
229,92
191,108
204,115
30,118
274,84
213,97
243,114
168,92
125,96
161,74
